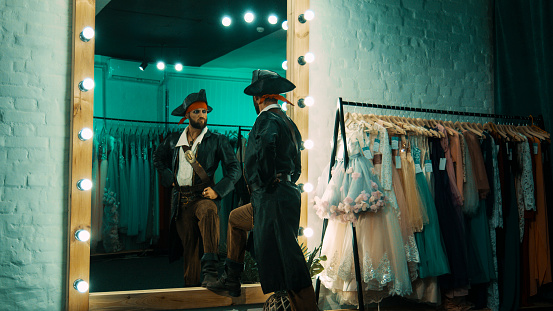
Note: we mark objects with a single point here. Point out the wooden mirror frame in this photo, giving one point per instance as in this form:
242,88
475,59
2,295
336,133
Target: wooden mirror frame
80,166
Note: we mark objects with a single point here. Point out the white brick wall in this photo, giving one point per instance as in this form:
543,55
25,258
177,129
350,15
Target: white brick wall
418,53
34,111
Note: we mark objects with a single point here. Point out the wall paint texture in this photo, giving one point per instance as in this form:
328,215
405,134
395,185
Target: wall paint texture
35,57
417,53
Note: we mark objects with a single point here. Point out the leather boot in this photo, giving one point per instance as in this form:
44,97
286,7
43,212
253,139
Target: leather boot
229,281
209,268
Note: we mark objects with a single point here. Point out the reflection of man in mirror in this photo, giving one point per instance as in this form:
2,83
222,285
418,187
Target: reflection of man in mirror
187,162
272,166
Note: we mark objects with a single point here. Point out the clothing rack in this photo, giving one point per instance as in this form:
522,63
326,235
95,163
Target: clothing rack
240,127
339,124
538,119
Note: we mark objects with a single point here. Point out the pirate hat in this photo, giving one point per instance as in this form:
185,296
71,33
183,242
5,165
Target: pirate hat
189,100
268,82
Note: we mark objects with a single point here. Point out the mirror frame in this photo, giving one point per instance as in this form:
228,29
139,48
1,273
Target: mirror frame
80,166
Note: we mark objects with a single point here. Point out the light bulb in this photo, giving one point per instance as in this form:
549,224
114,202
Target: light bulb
84,184
285,65
308,232
80,285
226,21
160,65
309,57
284,106
285,25
86,85
308,187
87,34
178,67
85,134
82,235
273,19
248,17
308,144
309,101
309,15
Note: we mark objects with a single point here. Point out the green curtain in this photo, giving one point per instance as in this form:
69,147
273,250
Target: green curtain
523,73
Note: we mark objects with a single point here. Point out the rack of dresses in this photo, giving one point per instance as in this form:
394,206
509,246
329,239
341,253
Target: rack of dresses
129,207
400,214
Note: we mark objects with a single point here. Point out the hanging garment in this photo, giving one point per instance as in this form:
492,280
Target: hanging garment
383,262
433,259
451,222
540,261
479,248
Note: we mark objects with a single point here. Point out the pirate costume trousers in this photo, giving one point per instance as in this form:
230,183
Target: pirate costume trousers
197,224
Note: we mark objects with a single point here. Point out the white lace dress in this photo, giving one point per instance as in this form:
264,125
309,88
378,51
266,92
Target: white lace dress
383,261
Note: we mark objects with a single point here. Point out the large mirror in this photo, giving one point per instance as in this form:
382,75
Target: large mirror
132,115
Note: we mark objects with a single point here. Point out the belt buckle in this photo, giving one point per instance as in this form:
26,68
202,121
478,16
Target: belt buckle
189,155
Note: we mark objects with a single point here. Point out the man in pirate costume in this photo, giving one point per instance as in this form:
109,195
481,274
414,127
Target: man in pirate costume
272,166
187,162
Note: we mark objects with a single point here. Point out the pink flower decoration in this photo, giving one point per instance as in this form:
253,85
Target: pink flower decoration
348,200
350,170
355,176
374,185
374,208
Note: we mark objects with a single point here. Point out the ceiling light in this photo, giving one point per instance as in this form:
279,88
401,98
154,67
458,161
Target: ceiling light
226,21
285,25
87,34
143,66
85,134
86,85
308,232
248,17
285,65
160,65
178,67
273,19
308,144
284,107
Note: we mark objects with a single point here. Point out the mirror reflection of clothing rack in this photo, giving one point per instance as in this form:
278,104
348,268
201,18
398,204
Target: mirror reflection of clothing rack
136,228
340,128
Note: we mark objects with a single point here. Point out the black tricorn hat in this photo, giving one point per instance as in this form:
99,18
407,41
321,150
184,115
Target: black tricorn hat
189,100
268,82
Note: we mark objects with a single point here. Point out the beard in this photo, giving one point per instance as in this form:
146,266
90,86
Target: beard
199,124
256,106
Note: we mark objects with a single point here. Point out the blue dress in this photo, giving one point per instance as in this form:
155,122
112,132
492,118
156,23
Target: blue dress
433,258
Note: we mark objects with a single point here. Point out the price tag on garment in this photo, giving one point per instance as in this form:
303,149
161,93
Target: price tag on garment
535,148
376,145
367,153
418,168
428,166
398,162
442,164
395,143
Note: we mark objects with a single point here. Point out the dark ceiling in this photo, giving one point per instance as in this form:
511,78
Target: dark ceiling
189,32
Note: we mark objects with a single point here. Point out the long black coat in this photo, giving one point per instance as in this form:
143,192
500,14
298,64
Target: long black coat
214,149
276,205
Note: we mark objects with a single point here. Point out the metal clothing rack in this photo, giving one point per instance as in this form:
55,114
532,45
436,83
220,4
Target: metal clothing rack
240,127
339,123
